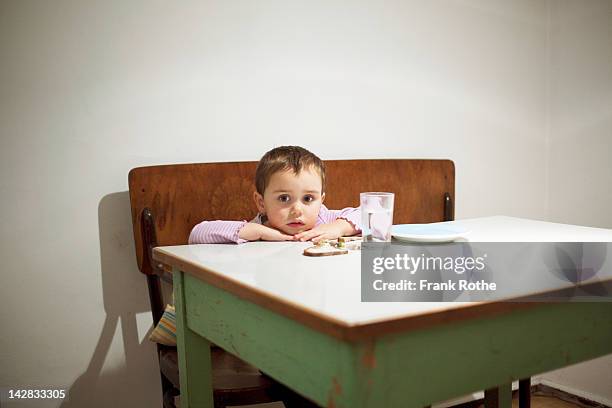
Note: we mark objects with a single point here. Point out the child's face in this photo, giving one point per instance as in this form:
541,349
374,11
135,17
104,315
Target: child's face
292,202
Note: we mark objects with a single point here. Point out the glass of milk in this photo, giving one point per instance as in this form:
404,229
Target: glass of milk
376,216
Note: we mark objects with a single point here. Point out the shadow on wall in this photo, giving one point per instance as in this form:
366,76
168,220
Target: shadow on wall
134,382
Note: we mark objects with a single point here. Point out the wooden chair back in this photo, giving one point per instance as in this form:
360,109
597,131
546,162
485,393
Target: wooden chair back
179,196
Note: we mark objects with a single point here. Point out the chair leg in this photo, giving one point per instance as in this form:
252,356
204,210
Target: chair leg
168,392
525,393
499,397
169,398
166,384
299,402
290,398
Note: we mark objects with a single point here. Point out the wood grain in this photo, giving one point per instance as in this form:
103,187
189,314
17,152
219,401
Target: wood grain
182,195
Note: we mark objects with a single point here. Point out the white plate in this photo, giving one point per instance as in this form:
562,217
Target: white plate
427,232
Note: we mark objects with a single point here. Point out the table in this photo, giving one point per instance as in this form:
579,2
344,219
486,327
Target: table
300,320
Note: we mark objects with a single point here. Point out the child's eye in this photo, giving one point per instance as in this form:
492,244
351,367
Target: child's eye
308,198
284,198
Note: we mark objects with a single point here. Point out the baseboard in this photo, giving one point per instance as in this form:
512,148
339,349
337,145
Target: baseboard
581,398
539,387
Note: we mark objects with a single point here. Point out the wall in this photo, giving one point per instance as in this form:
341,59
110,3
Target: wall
580,143
91,90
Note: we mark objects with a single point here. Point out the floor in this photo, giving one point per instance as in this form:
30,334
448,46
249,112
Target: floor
536,402
546,402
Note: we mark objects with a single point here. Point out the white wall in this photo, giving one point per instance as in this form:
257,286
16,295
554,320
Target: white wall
89,90
580,144
580,135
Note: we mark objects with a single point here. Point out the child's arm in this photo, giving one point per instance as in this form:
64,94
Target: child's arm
253,232
350,215
227,232
217,232
334,224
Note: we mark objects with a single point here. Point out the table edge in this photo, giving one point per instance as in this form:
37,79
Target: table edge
334,327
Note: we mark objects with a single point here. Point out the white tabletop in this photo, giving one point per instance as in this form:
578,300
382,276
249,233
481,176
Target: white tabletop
331,286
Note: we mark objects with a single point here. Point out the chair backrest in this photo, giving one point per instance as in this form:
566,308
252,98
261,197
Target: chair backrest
177,197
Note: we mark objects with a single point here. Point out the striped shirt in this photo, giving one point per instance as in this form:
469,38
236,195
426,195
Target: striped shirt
226,232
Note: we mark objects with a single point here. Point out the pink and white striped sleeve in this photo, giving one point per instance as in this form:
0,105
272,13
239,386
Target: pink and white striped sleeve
350,214
217,232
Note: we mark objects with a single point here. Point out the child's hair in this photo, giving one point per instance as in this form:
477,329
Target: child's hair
284,158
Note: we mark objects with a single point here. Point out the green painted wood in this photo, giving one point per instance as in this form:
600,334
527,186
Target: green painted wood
195,371
451,360
409,369
499,397
287,351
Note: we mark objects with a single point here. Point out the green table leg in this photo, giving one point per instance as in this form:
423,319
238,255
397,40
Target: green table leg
500,397
195,372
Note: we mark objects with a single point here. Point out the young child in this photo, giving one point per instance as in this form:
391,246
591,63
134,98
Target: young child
290,184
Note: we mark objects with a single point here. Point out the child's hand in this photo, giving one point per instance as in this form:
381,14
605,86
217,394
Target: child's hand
332,230
253,232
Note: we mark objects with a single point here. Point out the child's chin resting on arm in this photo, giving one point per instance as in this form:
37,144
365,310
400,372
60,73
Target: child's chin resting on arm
339,228
254,232
333,230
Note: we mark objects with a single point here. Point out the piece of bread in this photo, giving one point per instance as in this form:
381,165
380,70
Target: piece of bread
326,250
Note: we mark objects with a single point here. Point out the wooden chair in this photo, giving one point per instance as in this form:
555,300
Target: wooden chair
167,201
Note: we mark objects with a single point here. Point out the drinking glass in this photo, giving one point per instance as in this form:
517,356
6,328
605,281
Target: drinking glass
376,216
